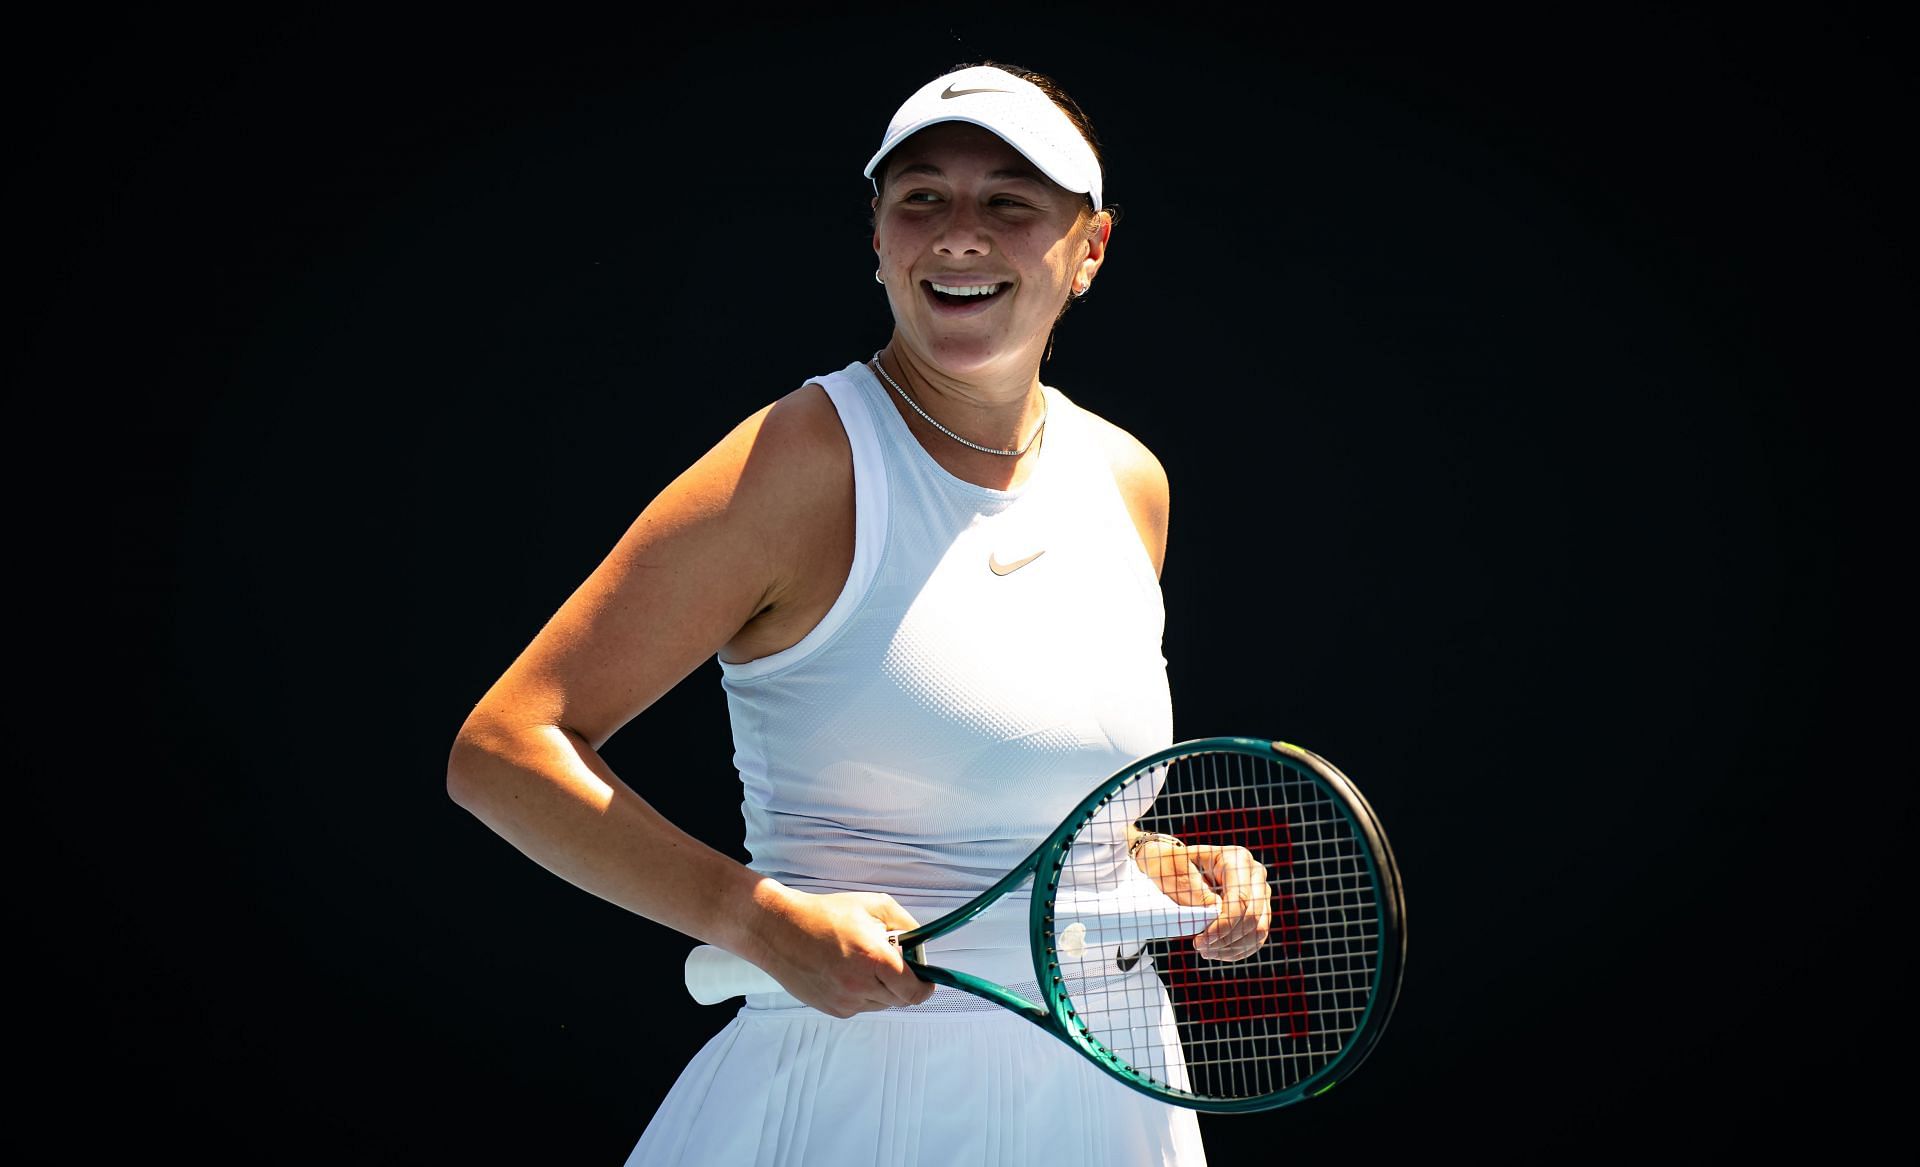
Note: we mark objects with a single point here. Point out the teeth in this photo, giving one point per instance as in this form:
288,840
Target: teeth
967,290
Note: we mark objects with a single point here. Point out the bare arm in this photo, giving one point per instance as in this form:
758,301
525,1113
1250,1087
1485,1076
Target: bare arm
1143,484
740,555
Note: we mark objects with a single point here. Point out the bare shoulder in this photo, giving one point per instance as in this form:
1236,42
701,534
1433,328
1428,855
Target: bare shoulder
1142,481
804,425
733,552
1135,468
777,457
778,492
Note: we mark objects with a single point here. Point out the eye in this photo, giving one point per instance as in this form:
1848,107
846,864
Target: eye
1015,202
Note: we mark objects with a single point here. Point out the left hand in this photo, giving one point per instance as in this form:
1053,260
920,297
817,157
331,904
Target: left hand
1228,876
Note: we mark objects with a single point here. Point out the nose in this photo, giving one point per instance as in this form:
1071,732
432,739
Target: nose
964,231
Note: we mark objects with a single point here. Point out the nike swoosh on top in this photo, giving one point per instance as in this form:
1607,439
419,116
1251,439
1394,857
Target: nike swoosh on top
1125,963
998,568
952,92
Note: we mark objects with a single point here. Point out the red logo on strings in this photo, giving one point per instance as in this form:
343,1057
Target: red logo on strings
1214,992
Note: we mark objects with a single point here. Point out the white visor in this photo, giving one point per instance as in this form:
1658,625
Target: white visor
1012,107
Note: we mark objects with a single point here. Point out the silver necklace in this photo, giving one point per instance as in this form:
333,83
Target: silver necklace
882,370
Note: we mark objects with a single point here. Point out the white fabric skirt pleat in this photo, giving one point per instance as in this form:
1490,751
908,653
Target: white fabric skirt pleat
789,1086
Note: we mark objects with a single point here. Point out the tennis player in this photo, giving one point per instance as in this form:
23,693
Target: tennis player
932,585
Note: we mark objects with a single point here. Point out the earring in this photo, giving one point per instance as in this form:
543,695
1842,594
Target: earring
876,276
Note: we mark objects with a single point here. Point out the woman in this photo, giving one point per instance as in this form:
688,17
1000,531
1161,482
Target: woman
932,586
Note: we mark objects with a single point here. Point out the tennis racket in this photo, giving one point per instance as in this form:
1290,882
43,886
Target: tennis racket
1119,980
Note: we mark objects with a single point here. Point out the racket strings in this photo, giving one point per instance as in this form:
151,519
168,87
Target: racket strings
1220,1029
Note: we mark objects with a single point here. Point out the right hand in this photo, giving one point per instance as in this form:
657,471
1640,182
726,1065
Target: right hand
832,952
1205,875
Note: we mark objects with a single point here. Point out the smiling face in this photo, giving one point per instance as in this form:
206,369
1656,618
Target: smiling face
979,251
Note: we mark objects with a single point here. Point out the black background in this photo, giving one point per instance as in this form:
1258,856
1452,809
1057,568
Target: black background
1528,390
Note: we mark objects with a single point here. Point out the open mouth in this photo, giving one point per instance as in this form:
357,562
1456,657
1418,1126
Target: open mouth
964,294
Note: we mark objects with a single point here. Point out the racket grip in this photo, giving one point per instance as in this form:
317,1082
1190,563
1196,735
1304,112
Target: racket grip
714,974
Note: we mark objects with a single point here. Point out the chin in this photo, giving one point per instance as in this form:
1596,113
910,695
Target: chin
965,355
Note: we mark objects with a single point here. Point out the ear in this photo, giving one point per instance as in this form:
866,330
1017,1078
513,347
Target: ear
873,205
1098,233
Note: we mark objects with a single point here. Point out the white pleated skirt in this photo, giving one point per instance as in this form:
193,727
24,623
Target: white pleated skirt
784,1085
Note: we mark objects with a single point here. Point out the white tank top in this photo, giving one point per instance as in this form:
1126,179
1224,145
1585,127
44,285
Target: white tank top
993,655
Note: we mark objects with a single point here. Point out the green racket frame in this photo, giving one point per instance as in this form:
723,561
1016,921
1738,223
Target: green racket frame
1056,1013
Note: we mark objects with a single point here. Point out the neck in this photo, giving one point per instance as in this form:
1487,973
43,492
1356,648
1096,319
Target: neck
1001,409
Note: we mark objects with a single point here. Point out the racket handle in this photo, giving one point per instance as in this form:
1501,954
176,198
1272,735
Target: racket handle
714,974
